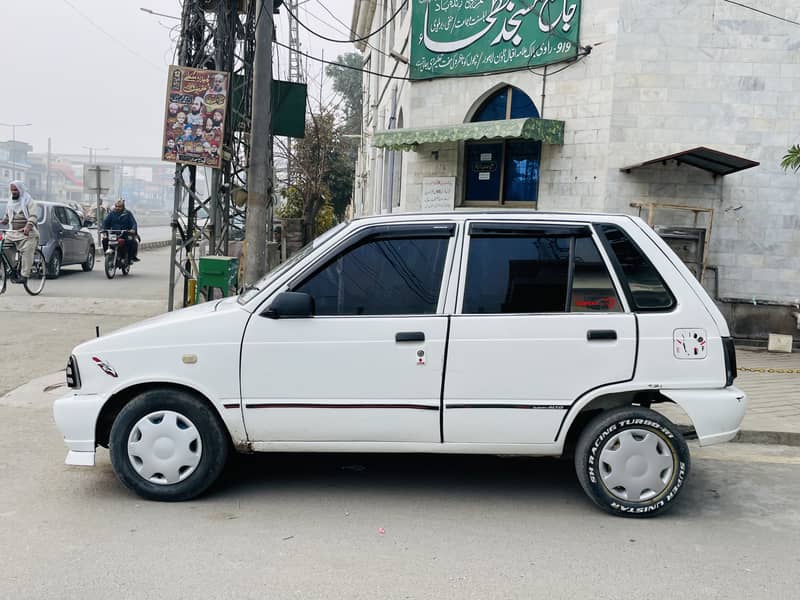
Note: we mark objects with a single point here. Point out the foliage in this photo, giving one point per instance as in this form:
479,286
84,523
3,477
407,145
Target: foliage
792,158
348,84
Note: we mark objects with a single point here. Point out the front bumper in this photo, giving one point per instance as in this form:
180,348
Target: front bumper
715,414
76,417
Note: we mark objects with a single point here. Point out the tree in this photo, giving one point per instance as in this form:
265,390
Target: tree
792,158
347,82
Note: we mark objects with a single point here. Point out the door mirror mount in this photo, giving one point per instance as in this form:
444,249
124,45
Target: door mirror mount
290,305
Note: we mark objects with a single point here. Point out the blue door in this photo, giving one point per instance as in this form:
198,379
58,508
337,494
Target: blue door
484,172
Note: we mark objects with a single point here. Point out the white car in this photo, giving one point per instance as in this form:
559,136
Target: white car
472,333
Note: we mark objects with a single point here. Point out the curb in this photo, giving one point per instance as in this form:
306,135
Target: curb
780,438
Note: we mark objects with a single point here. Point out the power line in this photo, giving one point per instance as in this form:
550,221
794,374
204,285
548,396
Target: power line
110,36
763,12
330,62
361,39
343,24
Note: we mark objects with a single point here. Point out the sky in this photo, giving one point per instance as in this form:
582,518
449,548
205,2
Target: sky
102,83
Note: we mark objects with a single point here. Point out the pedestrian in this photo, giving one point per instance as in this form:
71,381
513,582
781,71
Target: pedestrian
23,232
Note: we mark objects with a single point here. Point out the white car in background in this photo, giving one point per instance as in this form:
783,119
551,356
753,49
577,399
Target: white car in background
472,333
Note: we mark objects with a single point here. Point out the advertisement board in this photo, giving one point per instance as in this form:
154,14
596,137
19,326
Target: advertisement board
467,37
195,115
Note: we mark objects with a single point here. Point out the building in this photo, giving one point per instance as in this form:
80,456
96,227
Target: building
648,105
14,161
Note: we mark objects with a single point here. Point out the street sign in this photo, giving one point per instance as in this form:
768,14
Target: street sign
97,179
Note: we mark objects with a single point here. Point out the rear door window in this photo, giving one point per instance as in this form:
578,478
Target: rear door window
524,269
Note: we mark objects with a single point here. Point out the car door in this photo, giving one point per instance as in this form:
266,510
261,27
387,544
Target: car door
66,235
368,366
83,239
539,323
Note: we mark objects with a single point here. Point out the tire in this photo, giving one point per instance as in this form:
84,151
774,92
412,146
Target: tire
110,266
180,425
89,264
3,277
126,268
54,265
632,462
38,275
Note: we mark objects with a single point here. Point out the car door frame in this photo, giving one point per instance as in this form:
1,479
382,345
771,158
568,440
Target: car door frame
437,361
66,235
83,239
555,413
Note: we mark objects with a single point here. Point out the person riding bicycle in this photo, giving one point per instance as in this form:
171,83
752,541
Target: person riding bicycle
23,233
121,219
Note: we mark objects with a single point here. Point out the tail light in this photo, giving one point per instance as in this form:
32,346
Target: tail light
730,360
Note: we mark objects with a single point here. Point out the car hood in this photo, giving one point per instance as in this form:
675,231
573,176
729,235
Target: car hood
194,324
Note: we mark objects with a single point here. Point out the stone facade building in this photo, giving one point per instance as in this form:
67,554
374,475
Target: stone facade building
661,104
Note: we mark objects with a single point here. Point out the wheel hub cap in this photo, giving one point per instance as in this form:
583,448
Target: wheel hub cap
636,465
164,447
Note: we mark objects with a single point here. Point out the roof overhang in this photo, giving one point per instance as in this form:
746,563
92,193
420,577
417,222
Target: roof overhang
544,130
713,161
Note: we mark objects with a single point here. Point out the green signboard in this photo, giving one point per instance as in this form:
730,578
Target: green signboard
466,37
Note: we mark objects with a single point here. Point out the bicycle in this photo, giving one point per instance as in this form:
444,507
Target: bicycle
117,256
36,280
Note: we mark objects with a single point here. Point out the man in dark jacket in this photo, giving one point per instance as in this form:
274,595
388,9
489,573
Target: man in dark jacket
121,219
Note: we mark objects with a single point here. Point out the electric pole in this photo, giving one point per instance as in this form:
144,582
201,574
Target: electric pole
259,173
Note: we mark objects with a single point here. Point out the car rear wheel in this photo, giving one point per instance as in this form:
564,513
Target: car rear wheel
168,445
88,265
632,461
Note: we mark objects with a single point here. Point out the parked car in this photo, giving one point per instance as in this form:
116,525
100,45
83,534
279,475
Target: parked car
502,333
64,237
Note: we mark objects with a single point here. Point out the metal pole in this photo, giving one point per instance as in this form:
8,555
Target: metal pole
48,185
99,224
14,152
259,174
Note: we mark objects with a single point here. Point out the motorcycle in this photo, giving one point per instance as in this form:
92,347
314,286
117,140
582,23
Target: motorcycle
117,255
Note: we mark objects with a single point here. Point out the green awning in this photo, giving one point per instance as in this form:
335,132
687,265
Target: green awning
544,130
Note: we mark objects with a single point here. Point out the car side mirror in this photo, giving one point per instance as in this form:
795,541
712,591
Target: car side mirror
88,222
291,305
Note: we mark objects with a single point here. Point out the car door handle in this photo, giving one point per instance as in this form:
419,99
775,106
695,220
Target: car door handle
594,335
409,336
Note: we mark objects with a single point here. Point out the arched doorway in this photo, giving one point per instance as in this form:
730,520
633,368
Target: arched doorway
506,171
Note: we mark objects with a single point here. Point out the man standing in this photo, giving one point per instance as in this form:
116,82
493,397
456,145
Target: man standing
21,216
121,220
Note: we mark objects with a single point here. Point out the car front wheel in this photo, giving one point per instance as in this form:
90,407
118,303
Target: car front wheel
632,461
168,445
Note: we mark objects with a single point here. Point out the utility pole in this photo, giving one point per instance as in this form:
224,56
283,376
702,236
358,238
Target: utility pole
259,173
48,184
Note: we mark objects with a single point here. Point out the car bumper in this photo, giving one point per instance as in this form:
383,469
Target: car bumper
715,414
76,416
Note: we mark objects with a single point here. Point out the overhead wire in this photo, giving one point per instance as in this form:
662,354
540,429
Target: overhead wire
350,41
763,12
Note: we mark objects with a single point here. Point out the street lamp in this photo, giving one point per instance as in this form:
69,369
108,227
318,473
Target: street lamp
14,142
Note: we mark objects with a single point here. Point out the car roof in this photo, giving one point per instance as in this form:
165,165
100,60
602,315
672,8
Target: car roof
516,215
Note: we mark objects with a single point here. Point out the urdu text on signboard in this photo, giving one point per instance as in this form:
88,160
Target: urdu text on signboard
466,37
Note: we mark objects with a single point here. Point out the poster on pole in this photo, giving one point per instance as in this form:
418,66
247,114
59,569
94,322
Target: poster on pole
194,117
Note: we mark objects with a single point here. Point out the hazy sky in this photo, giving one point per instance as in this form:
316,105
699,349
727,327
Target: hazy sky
103,85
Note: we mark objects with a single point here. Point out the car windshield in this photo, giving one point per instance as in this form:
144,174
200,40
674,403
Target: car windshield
4,204
252,290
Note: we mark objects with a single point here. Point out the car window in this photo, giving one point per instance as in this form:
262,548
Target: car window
536,271
74,219
646,288
61,215
592,288
381,276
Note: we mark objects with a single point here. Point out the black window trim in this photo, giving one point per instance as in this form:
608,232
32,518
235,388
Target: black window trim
509,229
623,279
433,230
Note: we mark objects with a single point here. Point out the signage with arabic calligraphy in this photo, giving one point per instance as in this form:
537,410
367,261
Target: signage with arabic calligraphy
195,115
464,37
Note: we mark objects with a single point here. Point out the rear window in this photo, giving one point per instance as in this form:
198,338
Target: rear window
645,288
